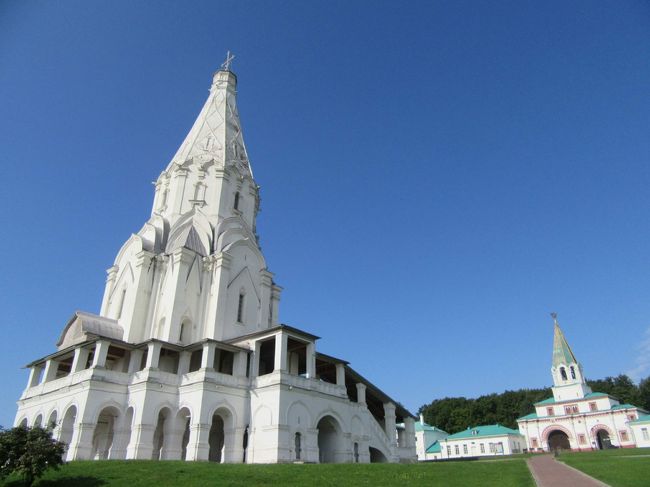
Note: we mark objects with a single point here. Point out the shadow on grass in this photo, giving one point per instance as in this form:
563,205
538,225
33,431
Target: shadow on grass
72,481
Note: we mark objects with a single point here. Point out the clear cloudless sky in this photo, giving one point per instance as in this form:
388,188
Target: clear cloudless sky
436,176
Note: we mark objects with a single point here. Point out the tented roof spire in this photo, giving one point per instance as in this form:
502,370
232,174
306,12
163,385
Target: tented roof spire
562,353
216,133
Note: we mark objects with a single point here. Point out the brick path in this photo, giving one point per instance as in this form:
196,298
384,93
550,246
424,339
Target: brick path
548,472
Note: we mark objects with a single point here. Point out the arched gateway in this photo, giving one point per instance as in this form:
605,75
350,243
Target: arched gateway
558,440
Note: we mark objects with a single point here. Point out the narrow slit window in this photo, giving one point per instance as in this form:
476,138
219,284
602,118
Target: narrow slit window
563,373
240,308
236,204
573,372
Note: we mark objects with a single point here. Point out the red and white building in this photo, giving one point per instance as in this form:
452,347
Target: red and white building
577,418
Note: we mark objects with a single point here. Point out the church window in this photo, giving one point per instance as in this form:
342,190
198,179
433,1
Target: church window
236,204
582,439
482,445
593,406
549,411
644,433
563,373
356,453
184,334
456,450
623,434
297,441
574,408
240,308
465,449
573,372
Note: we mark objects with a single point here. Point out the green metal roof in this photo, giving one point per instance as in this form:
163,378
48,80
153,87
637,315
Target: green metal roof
485,430
642,419
427,427
529,416
434,448
591,395
562,353
624,406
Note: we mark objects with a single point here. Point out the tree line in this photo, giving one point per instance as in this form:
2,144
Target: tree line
454,414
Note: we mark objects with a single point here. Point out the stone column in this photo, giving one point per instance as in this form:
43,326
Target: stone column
198,447
34,376
121,437
141,444
361,393
79,360
389,422
184,362
255,364
81,444
51,367
101,352
153,355
207,357
340,375
235,450
239,367
281,340
275,304
409,431
311,360
135,361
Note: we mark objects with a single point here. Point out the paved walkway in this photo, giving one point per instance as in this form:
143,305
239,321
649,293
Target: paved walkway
548,472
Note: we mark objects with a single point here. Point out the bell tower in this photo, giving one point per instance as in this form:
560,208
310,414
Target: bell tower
568,378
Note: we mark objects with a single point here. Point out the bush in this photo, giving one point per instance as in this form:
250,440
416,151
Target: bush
29,452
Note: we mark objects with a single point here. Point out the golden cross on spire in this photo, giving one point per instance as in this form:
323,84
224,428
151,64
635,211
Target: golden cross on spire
226,64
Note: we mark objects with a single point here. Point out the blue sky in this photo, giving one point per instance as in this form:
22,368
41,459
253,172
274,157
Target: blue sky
436,176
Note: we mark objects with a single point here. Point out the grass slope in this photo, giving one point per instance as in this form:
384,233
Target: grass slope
618,468
511,473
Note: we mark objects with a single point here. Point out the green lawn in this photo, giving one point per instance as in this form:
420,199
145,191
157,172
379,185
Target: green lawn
512,473
617,467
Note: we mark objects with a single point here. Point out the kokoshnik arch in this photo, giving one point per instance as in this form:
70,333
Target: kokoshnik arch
187,359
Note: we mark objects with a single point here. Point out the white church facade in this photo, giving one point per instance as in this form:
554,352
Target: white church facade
187,358
576,418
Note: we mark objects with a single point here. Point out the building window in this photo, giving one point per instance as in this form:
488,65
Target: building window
465,449
456,450
582,439
644,434
563,373
549,411
240,308
567,409
448,451
573,372
593,406
236,204
533,442
356,453
631,417
297,444
492,448
623,434
574,408
482,445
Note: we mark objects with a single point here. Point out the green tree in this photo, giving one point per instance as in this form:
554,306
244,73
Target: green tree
29,452
644,394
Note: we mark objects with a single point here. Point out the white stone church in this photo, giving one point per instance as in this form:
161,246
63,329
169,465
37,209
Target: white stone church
187,359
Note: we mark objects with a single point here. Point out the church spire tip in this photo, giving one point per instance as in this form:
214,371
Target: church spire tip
225,66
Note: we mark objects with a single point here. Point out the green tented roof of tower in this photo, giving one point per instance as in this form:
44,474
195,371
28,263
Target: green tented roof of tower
562,353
